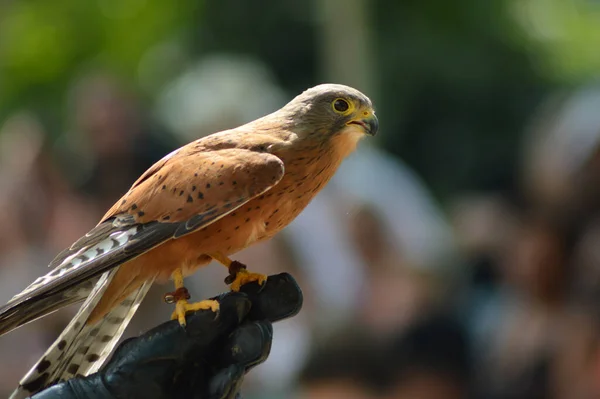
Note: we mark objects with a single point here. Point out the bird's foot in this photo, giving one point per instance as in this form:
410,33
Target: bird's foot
239,275
180,298
177,295
183,306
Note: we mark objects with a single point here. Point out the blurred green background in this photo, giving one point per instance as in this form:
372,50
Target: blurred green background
464,74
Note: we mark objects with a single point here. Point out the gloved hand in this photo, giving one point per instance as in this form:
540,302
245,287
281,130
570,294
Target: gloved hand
205,360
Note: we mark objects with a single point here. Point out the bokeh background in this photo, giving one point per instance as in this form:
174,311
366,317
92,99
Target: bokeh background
456,255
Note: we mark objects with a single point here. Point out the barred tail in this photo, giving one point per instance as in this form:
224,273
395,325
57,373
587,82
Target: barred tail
81,349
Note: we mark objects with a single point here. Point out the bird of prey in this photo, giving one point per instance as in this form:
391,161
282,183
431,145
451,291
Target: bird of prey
207,200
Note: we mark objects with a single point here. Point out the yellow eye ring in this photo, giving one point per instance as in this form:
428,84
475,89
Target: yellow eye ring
341,106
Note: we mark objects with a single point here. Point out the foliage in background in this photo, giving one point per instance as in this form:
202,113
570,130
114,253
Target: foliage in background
44,45
458,80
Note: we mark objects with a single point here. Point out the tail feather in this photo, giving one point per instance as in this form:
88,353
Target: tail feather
74,273
17,316
81,349
110,244
103,337
42,373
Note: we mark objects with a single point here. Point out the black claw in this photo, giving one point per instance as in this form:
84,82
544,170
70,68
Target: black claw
177,295
234,269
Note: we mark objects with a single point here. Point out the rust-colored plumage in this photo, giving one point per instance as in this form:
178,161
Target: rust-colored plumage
208,199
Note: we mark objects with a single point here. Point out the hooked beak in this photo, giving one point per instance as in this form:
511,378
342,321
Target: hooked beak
370,124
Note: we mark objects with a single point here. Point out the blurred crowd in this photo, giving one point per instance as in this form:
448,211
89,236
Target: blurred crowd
491,295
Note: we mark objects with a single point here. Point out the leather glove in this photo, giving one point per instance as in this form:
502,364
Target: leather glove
207,359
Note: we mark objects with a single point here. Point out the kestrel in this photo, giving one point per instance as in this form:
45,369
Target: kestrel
207,200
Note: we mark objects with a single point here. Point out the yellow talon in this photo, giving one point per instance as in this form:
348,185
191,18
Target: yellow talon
243,276
183,307
238,274
180,297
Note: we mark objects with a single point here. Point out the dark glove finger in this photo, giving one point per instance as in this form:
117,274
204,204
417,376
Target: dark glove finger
246,347
225,384
170,339
249,345
91,387
279,298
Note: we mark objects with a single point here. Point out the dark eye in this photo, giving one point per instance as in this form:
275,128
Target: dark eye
341,105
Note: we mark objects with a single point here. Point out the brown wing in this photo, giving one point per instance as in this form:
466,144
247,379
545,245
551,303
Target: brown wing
182,193
190,183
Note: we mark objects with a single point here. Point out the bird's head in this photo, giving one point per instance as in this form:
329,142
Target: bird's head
329,110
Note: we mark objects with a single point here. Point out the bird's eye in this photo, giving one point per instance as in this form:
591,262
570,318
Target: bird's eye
340,105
